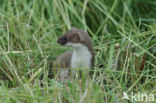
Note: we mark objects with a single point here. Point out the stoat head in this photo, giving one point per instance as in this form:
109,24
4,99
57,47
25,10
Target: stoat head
74,38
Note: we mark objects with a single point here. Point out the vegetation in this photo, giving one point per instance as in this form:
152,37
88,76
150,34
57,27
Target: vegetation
124,37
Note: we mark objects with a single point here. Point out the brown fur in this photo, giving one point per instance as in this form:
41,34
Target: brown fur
63,61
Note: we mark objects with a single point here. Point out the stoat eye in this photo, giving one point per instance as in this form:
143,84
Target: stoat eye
66,39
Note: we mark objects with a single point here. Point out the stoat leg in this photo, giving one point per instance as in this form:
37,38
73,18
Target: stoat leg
63,75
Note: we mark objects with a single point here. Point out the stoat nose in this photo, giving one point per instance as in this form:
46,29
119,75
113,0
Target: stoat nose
62,41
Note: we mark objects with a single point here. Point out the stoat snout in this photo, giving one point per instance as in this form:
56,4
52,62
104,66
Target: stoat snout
63,40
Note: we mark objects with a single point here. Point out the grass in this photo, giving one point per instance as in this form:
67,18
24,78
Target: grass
124,37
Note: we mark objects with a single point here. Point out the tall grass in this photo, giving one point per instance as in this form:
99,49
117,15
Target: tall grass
124,37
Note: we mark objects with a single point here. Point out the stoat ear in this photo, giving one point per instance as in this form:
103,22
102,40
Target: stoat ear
78,33
79,36
73,28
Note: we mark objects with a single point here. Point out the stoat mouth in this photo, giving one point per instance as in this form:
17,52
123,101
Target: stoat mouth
75,45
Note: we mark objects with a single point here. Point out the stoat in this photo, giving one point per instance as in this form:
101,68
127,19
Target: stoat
82,55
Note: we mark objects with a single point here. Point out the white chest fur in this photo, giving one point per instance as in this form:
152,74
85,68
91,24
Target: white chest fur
81,56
